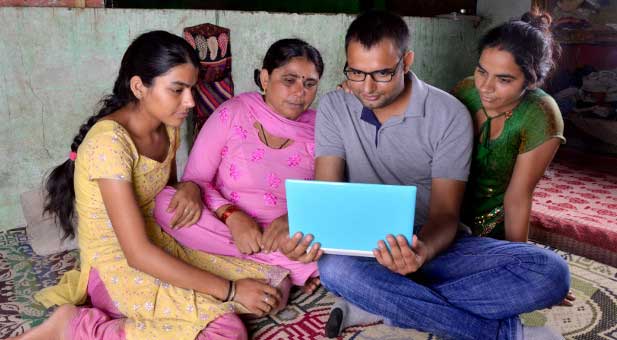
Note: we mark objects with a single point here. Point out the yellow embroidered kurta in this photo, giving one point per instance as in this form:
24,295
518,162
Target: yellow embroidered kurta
154,309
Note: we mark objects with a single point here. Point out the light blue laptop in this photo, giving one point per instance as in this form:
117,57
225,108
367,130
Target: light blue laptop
349,218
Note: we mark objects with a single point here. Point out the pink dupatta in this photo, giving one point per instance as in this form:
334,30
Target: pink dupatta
300,130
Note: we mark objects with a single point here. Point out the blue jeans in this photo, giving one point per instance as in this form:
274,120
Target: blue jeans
473,290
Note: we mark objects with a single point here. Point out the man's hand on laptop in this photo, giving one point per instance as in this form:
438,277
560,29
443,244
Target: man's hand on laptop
296,247
275,235
401,258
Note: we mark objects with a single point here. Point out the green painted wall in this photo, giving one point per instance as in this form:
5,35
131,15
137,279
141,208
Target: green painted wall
55,64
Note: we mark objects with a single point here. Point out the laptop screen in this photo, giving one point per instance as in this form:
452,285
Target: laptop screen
349,218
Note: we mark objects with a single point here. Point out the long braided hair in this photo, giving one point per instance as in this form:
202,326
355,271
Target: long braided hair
150,55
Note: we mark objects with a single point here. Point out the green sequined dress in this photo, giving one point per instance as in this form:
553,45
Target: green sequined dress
535,120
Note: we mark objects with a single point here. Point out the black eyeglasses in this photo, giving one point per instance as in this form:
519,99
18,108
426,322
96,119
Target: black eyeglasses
380,76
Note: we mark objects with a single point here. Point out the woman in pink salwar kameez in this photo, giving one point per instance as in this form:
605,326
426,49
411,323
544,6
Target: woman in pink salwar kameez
244,153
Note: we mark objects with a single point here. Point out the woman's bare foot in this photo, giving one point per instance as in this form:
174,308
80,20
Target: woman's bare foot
284,287
53,328
311,285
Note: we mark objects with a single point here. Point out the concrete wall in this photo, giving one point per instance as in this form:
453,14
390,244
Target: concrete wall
55,63
495,12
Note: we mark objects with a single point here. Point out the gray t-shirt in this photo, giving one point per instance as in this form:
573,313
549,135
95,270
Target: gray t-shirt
432,139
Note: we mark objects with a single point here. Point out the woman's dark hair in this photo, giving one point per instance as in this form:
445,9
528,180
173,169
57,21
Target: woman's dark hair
531,43
281,52
150,55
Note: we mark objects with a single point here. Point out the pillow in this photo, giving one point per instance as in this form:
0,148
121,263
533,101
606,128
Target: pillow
44,234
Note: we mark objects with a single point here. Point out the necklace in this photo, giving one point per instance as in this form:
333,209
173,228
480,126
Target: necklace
508,114
263,133
485,129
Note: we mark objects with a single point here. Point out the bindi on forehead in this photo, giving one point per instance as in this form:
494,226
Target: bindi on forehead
298,76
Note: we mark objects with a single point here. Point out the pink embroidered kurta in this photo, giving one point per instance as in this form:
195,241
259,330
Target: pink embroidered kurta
233,166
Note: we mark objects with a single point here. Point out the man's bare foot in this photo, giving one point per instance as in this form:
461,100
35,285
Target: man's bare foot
53,328
568,301
311,285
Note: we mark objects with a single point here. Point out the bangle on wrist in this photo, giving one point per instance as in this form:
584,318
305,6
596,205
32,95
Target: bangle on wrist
228,211
231,292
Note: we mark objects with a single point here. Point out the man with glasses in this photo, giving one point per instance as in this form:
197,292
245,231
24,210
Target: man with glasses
395,129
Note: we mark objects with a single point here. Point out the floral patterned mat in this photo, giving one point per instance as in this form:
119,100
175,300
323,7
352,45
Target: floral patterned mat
594,315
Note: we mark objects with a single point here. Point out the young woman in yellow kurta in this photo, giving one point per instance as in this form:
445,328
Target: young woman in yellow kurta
141,283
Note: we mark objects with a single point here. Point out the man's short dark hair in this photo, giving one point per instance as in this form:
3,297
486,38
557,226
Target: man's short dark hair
373,26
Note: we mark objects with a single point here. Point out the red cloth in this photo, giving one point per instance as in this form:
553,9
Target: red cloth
574,201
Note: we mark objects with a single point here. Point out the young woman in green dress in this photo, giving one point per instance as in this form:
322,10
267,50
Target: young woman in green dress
518,127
